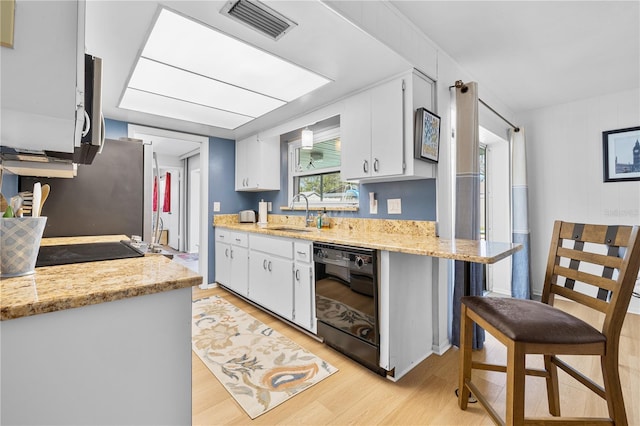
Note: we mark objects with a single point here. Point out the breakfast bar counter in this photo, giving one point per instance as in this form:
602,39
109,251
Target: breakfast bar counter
105,342
400,236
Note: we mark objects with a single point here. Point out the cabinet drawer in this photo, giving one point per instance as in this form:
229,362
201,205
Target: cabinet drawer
302,252
239,239
272,245
223,236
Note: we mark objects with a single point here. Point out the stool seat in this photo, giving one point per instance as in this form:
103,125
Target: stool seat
529,321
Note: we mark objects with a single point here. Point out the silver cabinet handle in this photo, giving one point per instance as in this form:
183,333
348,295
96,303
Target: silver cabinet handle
269,266
301,253
231,253
237,240
264,264
365,166
226,252
297,274
375,165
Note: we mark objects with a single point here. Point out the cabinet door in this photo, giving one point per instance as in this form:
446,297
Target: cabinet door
43,77
387,141
243,148
271,283
258,164
239,274
355,129
303,296
223,263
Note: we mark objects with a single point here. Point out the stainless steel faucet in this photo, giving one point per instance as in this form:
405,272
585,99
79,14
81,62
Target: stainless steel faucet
307,219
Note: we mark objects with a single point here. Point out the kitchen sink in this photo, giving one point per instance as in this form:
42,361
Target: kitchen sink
289,229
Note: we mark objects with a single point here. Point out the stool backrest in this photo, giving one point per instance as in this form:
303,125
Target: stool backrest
594,265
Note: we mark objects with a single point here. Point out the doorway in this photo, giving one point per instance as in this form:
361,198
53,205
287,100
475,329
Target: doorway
495,205
169,153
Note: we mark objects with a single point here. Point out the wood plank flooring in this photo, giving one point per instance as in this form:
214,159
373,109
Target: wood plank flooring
425,396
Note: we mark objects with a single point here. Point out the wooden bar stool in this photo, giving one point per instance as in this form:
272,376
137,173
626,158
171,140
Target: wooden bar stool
578,252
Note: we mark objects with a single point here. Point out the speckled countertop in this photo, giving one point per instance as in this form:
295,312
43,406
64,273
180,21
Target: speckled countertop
55,288
404,236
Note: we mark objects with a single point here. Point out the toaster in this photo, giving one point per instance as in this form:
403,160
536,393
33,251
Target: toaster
247,216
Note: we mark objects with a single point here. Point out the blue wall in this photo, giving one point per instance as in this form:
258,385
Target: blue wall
222,174
9,185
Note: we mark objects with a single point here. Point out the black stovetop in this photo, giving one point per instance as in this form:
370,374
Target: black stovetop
90,252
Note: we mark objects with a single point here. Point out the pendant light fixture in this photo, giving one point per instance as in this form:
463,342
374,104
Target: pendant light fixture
307,138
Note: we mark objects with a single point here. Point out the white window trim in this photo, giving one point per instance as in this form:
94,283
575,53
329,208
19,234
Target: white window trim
292,173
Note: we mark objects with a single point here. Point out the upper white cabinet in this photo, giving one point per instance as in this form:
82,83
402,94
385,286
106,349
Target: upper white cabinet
258,164
42,77
377,131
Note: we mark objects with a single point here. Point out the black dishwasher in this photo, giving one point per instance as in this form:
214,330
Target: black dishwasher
347,301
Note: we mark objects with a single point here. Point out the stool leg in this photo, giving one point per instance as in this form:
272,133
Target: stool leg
466,335
553,394
515,384
612,387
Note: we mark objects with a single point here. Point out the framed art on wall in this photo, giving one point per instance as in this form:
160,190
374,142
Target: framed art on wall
427,135
621,154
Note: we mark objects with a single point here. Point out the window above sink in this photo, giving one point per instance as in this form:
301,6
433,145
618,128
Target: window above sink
315,171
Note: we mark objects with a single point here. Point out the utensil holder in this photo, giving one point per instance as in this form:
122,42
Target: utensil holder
19,245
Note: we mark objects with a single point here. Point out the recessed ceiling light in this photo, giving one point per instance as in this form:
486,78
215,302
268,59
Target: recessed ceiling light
198,70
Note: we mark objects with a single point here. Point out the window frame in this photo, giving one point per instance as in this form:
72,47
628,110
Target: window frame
293,174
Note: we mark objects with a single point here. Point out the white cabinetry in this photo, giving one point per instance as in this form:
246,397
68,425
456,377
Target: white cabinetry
304,286
271,273
377,131
232,260
258,164
405,311
42,77
372,132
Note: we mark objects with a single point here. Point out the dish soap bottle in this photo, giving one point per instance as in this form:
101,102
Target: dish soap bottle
319,221
326,222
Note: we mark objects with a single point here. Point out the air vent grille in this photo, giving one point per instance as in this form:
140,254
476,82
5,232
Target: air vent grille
259,17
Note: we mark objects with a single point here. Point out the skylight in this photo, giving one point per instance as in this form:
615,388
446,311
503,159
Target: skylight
193,72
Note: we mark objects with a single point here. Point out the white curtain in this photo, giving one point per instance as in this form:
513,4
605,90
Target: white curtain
468,276
521,260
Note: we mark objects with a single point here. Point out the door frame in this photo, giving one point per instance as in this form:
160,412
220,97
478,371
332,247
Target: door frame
143,132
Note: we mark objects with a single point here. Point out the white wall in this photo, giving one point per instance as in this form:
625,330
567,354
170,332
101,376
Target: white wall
564,163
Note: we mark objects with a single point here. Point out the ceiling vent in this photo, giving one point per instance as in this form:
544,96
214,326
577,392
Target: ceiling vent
259,17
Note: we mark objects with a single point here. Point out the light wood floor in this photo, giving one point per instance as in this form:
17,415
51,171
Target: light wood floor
425,396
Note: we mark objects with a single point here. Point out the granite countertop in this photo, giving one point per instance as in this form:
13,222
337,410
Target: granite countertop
409,237
54,288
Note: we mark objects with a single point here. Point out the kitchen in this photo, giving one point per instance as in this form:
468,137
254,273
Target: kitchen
623,199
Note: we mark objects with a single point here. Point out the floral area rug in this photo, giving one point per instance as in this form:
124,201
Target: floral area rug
257,365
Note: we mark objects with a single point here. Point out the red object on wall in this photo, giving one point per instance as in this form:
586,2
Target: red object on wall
166,207
155,194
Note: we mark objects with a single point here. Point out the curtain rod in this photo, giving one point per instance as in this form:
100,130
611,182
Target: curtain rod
463,88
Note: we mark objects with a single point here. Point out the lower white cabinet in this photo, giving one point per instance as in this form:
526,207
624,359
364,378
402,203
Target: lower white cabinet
273,272
304,286
271,283
232,260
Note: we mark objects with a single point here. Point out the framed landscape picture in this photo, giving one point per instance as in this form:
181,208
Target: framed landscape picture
427,135
621,154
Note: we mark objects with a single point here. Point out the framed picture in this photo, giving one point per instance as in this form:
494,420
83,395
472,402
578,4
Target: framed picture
427,135
621,154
